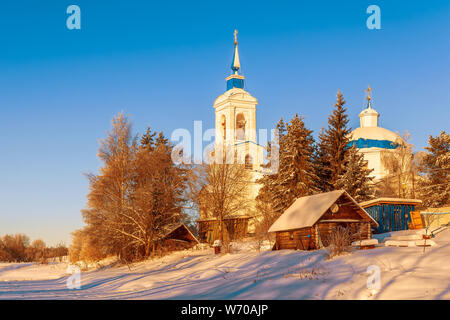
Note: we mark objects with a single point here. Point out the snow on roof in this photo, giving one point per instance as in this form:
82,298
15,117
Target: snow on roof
305,211
390,200
375,133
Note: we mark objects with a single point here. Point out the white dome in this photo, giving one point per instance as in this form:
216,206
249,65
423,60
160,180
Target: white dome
375,133
370,135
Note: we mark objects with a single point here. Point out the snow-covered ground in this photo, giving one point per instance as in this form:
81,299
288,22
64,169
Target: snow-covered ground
406,273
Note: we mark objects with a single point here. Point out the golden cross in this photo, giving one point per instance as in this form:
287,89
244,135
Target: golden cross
235,36
368,92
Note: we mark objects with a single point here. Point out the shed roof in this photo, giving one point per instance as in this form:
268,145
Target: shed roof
306,211
174,233
369,203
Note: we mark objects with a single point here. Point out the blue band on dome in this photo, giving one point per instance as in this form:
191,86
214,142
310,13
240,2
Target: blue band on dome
370,143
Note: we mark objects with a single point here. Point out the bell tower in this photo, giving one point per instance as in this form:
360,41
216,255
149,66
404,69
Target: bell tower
235,110
235,133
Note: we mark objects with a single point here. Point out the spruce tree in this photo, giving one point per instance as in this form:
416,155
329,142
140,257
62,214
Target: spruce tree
356,179
335,140
322,165
296,176
281,128
435,187
147,139
161,140
268,182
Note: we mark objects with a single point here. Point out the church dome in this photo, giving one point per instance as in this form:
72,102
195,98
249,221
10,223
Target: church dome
369,134
374,137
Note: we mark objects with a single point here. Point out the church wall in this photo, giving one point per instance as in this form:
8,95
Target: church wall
373,157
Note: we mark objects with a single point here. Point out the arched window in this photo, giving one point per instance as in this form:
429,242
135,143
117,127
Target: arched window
240,127
248,162
223,125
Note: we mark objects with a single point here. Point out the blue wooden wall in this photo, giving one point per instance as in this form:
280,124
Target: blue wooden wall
390,217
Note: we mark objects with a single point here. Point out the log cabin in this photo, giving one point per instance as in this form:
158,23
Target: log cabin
308,223
178,238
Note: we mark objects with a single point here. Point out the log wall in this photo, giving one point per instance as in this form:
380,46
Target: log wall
360,230
308,238
296,239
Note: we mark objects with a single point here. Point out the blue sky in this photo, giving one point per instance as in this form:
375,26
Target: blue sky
164,63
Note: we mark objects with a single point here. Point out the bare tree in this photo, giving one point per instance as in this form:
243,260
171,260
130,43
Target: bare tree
13,248
220,190
37,251
267,217
111,191
400,164
339,241
428,219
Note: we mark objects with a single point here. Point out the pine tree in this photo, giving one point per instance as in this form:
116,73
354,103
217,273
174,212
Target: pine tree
281,128
296,176
147,139
269,181
161,140
356,179
322,165
435,187
335,140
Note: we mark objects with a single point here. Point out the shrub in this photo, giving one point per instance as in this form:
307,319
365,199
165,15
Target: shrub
339,241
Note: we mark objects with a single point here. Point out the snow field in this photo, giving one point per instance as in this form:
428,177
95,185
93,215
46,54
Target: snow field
245,273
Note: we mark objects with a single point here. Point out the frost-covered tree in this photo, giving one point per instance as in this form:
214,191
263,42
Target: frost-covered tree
322,165
356,178
434,189
296,175
270,189
297,168
148,139
334,143
137,196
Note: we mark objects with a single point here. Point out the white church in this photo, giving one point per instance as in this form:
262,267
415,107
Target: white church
372,140
235,121
235,130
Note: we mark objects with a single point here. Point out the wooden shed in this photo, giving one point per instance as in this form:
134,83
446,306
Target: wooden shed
178,238
309,221
391,214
